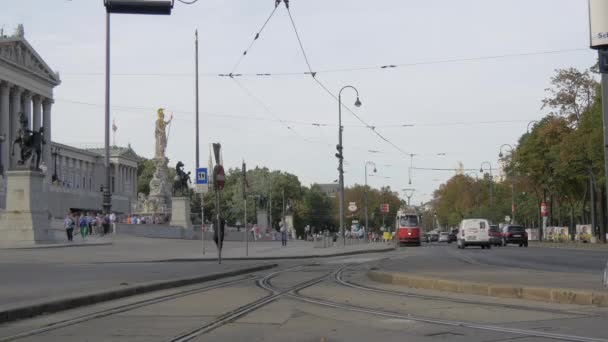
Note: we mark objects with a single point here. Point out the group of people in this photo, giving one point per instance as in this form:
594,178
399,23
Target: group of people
256,233
88,224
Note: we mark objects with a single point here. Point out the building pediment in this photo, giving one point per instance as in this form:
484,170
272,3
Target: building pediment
18,52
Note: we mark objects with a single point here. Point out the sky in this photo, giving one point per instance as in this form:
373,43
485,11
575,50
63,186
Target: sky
470,76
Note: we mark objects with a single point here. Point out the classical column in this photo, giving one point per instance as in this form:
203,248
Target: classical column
36,113
15,104
46,123
5,123
26,104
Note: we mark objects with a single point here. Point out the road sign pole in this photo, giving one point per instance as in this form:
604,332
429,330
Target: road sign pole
246,235
203,221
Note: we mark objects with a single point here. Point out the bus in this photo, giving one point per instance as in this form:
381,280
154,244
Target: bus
407,228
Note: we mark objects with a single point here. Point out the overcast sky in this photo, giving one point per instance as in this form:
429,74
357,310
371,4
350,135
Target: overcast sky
456,107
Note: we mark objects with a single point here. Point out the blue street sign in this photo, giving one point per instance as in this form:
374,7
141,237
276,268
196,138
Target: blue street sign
201,175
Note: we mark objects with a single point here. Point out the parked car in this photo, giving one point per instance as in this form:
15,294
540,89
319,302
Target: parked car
513,234
474,232
454,235
433,236
495,235
424,238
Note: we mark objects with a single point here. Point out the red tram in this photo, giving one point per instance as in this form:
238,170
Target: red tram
407,228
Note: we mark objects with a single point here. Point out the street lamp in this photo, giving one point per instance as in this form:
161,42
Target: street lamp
409,173
491,180
122,7
365,194
409,193
340,156
2,138
55,153
500,155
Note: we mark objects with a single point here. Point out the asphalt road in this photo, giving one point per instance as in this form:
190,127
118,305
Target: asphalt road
531,258
327,300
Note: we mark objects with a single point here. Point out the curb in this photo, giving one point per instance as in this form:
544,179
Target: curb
98,297
93,244
292,257
544,294
572,246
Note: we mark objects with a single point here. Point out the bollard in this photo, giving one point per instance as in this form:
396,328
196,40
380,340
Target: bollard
606,276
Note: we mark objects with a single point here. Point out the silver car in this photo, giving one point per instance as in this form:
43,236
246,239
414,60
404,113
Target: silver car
444,237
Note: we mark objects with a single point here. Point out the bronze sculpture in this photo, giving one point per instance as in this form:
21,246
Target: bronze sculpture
180,183
30,144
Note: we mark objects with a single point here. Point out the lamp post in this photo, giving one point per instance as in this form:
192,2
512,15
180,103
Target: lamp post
123,7
55,153
340,156
500,155
365,194
491,180
2,138
409,173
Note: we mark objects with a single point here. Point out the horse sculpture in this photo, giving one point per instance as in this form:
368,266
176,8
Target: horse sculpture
181,180
30,144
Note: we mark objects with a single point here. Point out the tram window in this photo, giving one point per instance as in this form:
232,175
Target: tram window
408,221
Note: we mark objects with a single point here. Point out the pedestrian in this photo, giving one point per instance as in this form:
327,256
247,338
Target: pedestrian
90,221
113,222
283,234
98,221
68,223
106,224
83,226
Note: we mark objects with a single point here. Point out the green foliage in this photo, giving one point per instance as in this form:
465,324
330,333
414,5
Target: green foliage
145,171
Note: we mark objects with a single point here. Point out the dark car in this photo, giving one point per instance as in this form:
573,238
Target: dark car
495,235
434,236
453,235
513,234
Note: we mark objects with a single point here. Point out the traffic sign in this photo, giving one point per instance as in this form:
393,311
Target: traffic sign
352,206
202,175
384,208
219,177
543,210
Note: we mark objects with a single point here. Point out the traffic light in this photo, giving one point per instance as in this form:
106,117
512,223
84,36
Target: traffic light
339,155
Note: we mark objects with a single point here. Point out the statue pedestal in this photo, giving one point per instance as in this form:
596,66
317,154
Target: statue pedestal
262,219
26,219
180,212
291,230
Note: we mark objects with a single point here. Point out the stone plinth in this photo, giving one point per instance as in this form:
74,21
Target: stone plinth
180,212
26,219
262,216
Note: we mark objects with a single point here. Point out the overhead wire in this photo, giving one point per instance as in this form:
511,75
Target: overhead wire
313,75
255,38
335,70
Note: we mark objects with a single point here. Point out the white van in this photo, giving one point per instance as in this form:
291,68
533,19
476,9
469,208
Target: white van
474,232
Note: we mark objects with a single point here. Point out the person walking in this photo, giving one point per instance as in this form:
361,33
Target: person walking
113,222
68,223
83,226
283,230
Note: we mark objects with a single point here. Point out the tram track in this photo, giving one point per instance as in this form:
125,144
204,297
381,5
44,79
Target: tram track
338,278
295,294
122,308
264,283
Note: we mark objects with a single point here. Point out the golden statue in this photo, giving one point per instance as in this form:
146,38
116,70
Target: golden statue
160,134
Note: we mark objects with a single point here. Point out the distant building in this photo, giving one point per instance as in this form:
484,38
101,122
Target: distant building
330,189
73,176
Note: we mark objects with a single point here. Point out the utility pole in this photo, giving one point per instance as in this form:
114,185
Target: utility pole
197,128
598,30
